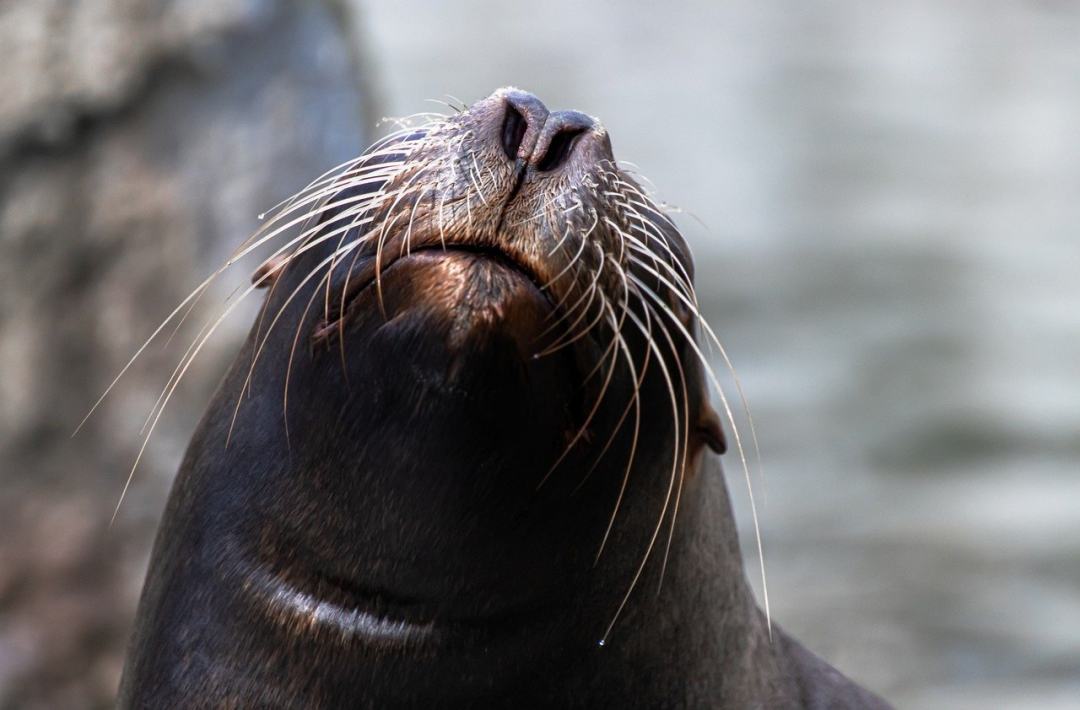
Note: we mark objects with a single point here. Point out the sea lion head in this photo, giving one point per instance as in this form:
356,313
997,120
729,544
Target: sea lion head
473,390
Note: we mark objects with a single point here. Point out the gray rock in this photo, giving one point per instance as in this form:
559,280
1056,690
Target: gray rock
139,140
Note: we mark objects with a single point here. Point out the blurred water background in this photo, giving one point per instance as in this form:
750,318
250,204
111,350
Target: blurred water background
890,195
884,204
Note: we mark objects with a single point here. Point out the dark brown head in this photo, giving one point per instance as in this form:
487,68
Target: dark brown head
485,329
467,412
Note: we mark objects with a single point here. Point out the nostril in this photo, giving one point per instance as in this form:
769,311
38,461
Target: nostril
514,125
562,144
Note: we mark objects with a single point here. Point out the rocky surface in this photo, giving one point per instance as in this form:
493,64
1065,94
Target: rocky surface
139,140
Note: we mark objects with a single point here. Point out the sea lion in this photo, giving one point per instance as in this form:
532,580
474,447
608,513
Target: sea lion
464,456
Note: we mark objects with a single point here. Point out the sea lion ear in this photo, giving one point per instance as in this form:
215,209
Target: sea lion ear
269,271
710,430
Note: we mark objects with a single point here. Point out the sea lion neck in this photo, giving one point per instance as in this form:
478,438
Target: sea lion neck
418,452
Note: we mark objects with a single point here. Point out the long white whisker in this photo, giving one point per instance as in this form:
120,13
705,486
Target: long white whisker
735,431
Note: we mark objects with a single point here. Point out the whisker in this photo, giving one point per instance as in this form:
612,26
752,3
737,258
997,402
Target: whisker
735,431
647,332
590,292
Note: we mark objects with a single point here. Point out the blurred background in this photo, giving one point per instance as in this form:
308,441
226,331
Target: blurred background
884,203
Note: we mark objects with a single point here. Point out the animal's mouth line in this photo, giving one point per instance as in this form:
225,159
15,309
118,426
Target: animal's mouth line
491,252
369,269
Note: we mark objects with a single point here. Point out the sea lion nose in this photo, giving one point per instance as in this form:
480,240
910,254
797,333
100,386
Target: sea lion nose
535,137
539,141
558,138
523,118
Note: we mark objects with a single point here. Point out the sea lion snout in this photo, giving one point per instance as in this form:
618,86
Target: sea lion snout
517,186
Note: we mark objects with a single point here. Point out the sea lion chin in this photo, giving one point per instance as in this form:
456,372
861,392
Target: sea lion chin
471,299
463,457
